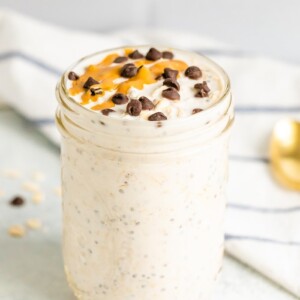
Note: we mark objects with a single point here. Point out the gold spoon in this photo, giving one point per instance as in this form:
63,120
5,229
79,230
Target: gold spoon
285,153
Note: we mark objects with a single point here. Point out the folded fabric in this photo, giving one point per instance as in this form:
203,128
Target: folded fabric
263,219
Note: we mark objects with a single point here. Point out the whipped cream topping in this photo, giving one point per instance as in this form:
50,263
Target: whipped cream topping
95,80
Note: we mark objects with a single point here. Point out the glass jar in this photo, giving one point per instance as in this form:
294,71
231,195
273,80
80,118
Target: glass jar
143,202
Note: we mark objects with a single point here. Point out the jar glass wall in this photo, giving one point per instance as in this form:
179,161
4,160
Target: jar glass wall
143,203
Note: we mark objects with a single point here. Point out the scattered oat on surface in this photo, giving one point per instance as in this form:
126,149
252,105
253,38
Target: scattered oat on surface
38,176
37,197
30,186
57,191
34,223
16,230
12,173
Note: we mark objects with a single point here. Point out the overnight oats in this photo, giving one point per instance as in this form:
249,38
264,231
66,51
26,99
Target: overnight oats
144,173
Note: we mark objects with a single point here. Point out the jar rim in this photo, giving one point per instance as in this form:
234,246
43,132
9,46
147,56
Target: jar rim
63,93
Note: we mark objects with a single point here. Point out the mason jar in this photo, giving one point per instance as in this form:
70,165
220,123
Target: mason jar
143,202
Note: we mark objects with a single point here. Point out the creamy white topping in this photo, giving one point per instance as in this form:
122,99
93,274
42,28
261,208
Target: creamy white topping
172,109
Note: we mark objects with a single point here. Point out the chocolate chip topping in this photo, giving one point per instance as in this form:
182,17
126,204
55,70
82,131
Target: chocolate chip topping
120,59
73,76
167,55
170,82
201,94
146,103
96,90
140,67
196,110
153,54
134,108
193,72
159,116
136,55
202,88
170,73
91,81
128,70
159,77
107,111
17,201
119,99
170,93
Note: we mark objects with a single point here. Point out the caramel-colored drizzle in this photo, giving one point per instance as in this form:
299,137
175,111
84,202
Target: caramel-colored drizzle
106,74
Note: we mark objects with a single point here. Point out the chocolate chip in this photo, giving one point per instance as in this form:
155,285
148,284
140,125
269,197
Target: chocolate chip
119,99
120,59
136,55
196,110
128,70
170,82
159,77
153,54
171,94
202,88
203,85
146,103
134,108
107,111
159,124
73,76
142,66
96,90
91,81
170,73
17,201
201,94
167,55
193,72
159,116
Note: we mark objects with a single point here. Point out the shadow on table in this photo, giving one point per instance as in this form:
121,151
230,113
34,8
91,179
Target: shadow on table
32,269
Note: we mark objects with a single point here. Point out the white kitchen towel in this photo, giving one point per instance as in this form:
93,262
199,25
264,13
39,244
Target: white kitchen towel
263,219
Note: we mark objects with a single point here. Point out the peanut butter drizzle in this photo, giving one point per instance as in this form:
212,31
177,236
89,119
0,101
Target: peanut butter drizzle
106,74
127,51
159,67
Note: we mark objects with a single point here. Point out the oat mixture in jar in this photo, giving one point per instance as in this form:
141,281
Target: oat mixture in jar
144,170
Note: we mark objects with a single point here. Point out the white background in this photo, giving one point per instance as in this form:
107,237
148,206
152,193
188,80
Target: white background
270,27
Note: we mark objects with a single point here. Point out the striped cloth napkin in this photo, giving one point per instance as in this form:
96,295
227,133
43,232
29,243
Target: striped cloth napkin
263,219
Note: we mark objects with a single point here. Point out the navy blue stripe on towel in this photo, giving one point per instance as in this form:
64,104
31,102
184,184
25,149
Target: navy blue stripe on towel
231,237
268,210
30,59
249,159
42,121
267,109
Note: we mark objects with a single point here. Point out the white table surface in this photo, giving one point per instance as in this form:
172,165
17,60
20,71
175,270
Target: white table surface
31,267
